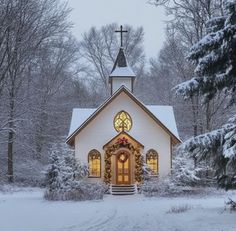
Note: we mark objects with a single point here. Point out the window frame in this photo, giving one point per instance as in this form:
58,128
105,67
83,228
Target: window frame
127,117
94,152
157,160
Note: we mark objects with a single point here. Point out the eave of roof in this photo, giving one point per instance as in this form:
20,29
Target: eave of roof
70,139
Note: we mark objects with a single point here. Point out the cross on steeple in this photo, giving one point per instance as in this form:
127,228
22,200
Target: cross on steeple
121,31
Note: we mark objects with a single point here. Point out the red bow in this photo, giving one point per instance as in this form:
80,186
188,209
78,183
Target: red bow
122,140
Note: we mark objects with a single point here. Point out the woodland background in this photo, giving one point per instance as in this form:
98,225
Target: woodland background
45,72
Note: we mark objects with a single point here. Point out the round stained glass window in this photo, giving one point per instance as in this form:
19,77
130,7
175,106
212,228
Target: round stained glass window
122,122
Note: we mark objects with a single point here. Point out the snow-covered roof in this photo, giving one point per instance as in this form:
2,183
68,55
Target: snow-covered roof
166,115
79,115
122,72
163,113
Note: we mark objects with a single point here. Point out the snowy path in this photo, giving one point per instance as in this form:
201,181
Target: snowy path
28,211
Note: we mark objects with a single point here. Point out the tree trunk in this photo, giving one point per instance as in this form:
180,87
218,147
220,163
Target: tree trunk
10,138
195,116
208,117
10,156
40,129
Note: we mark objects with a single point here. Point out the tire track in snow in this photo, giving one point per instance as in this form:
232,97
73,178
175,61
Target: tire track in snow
98,224
81,226
125,222
102,224
138,222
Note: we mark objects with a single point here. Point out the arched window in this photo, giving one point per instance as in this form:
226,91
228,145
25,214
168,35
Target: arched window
152,161
122,122
94,161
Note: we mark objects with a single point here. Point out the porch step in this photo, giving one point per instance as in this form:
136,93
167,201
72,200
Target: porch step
123,189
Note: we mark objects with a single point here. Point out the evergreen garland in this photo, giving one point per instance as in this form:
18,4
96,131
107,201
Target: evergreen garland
110,150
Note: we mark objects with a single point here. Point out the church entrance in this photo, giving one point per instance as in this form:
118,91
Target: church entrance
123,168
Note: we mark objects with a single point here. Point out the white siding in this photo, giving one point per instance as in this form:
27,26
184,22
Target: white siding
145,130
118,82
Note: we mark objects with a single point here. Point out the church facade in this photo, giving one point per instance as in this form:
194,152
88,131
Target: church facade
117,138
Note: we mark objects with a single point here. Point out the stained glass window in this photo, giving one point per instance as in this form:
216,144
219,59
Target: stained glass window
152,161
122,122
94,159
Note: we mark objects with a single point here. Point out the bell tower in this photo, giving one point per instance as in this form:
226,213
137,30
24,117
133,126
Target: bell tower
121,74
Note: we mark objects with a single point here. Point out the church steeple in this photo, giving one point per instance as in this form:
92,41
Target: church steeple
121,74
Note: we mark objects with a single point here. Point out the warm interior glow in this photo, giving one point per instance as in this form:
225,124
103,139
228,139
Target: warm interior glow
152,162
122,122
94,164
123,168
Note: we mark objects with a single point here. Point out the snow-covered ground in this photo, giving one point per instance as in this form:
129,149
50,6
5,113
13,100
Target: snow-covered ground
27,211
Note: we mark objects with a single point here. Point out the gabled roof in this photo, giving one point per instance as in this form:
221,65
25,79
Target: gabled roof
123,134
79,115
164,118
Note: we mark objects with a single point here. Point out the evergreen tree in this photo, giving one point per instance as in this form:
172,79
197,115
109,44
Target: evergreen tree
184,172
64,172
65,179
53,175
215,59
77,170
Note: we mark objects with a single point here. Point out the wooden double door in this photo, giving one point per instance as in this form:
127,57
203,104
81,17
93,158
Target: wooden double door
123,168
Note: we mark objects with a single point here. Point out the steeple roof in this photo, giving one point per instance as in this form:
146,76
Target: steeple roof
121,67
120,60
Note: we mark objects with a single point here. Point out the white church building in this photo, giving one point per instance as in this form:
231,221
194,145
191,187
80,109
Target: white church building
116,138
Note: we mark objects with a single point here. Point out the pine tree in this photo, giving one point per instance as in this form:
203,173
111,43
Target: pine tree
215,59
184,172
65,179
78,170
53,175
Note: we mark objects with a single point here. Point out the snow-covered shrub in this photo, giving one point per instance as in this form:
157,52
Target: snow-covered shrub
184,173
65,180
231,204
156,186
84,190
184,176
77,191
187,172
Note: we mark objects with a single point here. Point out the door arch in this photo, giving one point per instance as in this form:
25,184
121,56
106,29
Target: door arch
123,175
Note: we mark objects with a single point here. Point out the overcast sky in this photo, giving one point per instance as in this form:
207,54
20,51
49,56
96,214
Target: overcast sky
88,13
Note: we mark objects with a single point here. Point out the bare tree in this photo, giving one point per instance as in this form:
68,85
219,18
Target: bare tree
186,27
29,25
99,48
188,17
55,65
